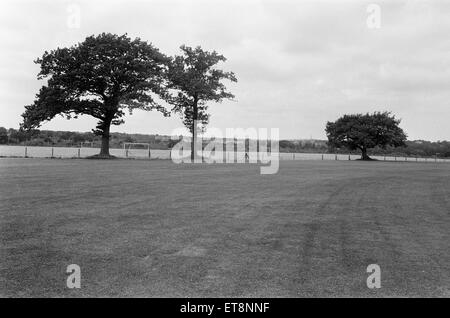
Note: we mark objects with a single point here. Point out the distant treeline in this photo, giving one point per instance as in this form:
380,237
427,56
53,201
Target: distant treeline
419,148
75,139
47,138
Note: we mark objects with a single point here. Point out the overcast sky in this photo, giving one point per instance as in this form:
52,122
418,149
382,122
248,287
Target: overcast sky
298,63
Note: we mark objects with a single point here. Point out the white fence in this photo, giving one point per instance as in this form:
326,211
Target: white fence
67,152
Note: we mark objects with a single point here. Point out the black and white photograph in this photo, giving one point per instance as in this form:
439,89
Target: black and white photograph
224,154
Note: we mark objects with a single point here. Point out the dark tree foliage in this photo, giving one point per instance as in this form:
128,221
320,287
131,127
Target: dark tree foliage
363,132
100,77
3,135
195,81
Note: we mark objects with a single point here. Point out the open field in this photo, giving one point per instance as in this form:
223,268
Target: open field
153,228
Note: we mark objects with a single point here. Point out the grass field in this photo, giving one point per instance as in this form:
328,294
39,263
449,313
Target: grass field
153,228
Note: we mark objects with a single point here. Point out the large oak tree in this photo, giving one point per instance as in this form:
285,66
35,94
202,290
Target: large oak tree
364,132
196,80
101,77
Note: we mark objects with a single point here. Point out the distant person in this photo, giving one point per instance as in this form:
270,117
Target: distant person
246,157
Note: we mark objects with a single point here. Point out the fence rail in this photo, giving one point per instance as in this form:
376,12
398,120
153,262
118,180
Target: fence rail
67,152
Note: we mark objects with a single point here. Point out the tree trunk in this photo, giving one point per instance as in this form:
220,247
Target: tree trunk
193,141
194,130
104,151
364,155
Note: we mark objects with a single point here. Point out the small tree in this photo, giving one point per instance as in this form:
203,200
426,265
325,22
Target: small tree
364,132
100,77
196,81
3,135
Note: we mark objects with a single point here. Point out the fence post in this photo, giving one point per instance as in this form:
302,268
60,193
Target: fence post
79,154
149,153
53,152
26,152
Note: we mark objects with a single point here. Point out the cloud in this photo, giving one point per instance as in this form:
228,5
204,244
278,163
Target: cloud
299,63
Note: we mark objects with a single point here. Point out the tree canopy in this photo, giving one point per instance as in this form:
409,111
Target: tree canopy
364,132
101,77
195,80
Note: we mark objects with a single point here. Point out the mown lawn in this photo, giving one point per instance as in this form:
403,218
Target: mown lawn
157,229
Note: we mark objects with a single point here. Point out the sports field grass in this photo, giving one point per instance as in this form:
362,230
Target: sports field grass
154,228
